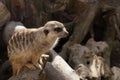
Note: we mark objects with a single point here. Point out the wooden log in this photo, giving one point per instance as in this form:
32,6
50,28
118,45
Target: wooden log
117,19
58,69
81,28
109,35
27,74
93,66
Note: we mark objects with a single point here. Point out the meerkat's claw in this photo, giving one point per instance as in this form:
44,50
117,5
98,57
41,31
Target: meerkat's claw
40,67
44,58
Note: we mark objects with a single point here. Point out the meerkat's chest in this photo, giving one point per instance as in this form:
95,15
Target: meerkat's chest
54,44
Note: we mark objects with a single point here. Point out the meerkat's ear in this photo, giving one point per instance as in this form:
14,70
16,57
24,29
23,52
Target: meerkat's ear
46,32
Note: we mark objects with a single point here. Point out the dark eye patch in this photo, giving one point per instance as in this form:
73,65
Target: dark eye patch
46,32
58,29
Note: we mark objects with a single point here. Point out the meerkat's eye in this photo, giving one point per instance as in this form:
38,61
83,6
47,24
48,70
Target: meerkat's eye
58,29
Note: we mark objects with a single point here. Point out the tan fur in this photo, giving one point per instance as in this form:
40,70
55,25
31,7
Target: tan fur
28,45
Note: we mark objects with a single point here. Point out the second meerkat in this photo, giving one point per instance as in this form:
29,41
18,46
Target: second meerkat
29,44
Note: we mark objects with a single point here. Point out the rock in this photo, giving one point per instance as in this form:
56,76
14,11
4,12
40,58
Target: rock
95,65
116,73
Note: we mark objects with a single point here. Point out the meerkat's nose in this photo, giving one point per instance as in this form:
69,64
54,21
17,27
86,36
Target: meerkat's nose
66,33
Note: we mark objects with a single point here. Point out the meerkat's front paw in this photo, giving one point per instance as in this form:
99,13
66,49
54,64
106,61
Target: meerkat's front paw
44,58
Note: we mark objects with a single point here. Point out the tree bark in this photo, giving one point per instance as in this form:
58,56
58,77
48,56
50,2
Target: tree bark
110,32
81,28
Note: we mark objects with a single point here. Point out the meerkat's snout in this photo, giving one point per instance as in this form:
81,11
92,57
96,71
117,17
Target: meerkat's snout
65,32
62,33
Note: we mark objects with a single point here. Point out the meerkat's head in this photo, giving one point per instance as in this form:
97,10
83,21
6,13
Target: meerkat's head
56,29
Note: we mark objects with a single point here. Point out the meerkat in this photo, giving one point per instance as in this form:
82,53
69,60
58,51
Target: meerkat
28,45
